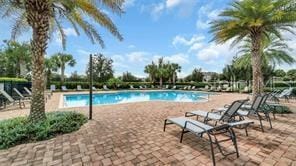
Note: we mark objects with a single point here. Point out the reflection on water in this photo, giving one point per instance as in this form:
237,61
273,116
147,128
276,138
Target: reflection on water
127,97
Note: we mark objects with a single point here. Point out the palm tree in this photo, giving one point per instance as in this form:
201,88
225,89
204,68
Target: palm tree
49,67
61,61
175,69
46,16
162,71
255,20
274,52
151,70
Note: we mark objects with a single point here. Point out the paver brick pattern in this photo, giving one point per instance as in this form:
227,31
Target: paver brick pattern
132,134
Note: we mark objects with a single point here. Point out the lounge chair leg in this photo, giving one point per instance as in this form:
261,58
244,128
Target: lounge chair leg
261,124
183,131
212,150
234,142
268,117
164,125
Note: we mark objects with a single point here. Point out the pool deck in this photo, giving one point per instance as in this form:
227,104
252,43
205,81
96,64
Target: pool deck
131,134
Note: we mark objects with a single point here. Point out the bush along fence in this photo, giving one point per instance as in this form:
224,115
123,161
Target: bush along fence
8,84
124,85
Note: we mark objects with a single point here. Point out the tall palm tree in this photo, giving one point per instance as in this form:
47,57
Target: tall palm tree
49,67
46,16
176,68
255,20
162,71
151,69
61,60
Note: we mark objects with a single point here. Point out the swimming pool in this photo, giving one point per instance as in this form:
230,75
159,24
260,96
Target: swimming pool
78,100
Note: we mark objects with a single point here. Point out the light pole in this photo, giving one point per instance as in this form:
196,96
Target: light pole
90,86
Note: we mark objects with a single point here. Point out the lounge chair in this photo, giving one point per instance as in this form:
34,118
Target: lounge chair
152,86
23,97
285,94
167,87
228,115
246,89
28,91
12,100
185,87
64,88
141,87
52,88
253,110
213,89
94,88
199,129
193,88
79,88
219,89
105,87
206,88
174,87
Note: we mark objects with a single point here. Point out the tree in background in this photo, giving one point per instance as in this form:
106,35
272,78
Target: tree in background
279,73
255,20
292,74
128,77
46,16
102,68
61,60
15,59
196,75
174,68
151,70
114,82
162,71
77,77
49,67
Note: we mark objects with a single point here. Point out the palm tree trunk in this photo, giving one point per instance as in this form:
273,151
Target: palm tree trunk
257,65
174,78
38,14
62,75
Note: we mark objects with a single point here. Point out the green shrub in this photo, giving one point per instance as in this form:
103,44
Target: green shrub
2,79
20,130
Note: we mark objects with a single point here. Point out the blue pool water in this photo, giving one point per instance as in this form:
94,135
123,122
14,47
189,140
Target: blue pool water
78,100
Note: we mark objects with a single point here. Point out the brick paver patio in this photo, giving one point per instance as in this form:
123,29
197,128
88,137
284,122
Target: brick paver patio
131,134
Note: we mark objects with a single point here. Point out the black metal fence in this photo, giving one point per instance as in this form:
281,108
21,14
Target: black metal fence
8,87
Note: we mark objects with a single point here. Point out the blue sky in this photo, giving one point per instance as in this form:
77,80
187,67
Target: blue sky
174,29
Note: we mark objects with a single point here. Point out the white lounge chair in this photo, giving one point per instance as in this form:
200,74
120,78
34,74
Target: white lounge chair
167,87
79,88
193,88
94,88
52,88
132,87
174,87
224,131
105,87
64,88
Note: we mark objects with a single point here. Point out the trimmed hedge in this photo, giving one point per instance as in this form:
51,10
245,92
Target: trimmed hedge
20,130
124,85
8,79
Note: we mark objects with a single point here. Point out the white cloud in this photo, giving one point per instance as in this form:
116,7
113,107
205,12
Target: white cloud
173,3
195,47
216,54
157,10
180,40
70,32
179,58
137,57
206,14
131,46
128,3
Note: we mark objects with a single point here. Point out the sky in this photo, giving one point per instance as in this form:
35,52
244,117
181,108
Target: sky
177,30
